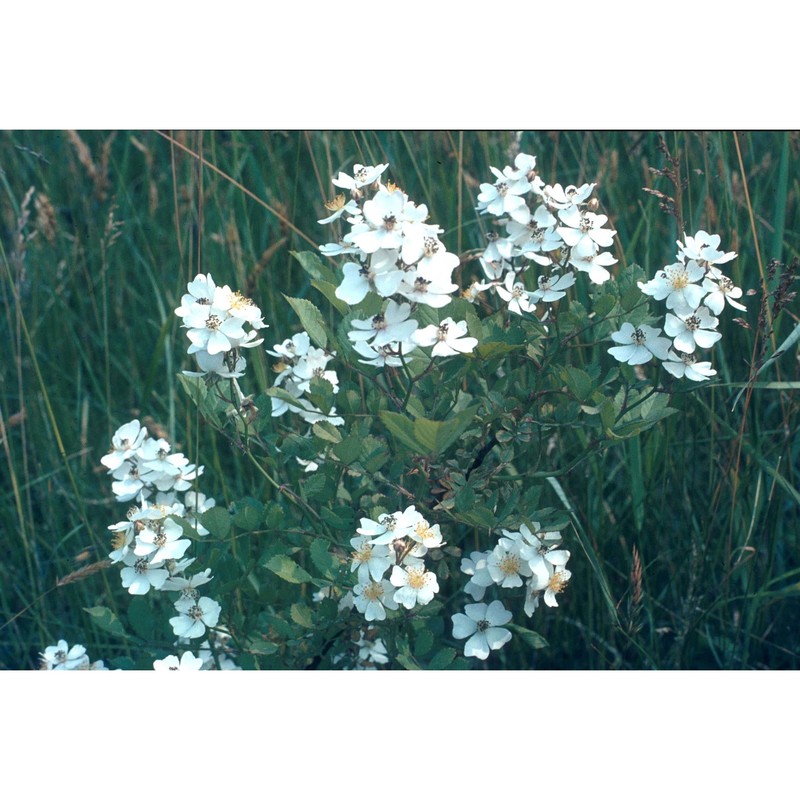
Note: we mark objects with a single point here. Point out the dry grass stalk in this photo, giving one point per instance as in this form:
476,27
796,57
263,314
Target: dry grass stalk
84,572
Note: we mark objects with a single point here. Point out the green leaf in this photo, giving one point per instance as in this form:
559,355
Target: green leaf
301,614
105,619
423,642
141,618
287,570
210,406
443,659
320,394
604,305
477,517
348,450
329,291
327,432
248,514
314,266
578,382
188,528
341,518
282,394
260,647
374,453
217,520
426,436
311,318
327,564
531,638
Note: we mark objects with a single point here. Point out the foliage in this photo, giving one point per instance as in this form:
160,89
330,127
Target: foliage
676,505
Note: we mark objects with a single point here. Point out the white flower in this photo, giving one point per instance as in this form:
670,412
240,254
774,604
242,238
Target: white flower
387,355
122,540
503,197
448,338
721,291
692,330
593,263
392,325
372,651
293,348
162,541
482,624
138,575
582,230
552,288
677,283
195,616
197,503
686,365
384,219
338,207
415,584
126,441
430,293
515,294
188,661
557,197
62,656
370,559
643,343
428,537
704,248
480,578
187,586
373,597
362,176
506,563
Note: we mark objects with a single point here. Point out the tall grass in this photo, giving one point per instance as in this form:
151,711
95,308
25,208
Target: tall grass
685,541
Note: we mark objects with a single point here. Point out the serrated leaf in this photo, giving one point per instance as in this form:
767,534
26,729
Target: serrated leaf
311,318
217,520
105,619
578,382
287,570
301,614
443,659
327,432
260,647
249,514
531,638
348,450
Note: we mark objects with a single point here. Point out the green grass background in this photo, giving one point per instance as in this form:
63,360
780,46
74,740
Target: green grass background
97,257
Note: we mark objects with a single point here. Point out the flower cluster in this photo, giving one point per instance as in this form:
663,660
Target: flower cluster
551,226
388,558
525,557
300,363
150,544
695,291
215,318
62,656
395,253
